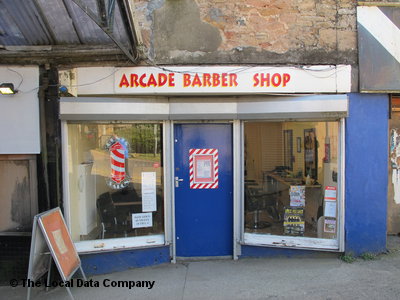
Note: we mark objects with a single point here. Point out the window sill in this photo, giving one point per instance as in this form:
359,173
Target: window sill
107,245
293,242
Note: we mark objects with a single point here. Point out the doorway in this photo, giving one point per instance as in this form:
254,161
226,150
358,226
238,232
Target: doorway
203,175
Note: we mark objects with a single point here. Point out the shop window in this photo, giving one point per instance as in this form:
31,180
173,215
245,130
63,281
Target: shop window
291,179
115,180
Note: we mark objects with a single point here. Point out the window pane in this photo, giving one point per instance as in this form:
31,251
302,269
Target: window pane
291,178
115,180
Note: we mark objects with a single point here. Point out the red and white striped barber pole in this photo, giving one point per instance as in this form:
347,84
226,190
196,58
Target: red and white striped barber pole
118,151
117,157
203,168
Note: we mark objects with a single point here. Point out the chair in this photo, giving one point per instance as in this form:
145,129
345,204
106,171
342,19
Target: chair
111,222
256,200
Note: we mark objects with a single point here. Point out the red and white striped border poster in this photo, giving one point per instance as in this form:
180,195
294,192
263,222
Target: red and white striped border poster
203,168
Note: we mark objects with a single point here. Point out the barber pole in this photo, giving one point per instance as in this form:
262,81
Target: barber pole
118,154
203,168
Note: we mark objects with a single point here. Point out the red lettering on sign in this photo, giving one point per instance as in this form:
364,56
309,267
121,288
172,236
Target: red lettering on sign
134,80
207,79
202,80
286,78
147,80
233,80
162,79
255,80
152,81
196,80
224,79
210,80
124,81
266,79
276,79
215,80
141,82
186,80
171,79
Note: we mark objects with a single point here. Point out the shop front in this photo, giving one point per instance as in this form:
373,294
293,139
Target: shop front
189,162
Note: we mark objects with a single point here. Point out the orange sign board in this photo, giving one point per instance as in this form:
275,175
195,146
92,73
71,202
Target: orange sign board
60,243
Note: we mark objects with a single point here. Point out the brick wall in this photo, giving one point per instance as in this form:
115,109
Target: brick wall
251,31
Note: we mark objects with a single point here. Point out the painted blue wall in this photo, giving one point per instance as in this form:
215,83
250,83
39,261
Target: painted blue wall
108,262
366,173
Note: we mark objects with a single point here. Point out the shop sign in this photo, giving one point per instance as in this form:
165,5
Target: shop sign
232,80
203,168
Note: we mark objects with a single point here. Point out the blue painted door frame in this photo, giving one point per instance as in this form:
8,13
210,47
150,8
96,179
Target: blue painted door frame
203,217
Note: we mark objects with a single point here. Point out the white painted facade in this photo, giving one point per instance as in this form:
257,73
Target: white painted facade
19,113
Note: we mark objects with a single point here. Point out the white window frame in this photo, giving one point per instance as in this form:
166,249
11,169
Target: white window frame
282,241
112,244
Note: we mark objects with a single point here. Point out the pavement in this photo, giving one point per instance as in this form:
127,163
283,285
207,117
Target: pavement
321,277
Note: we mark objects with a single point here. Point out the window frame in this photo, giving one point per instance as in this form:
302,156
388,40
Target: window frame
122,243
293,242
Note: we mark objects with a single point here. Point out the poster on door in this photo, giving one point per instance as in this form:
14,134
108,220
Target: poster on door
203,168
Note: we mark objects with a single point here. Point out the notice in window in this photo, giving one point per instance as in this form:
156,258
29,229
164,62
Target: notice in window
293,221
330,193
330,225
142,220
149,199
297,195
330,209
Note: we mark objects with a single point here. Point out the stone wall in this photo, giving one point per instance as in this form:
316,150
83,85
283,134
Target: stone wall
251,31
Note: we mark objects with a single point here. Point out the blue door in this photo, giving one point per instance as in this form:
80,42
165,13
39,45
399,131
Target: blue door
203,190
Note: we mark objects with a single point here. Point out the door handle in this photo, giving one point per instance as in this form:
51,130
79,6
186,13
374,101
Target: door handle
177,180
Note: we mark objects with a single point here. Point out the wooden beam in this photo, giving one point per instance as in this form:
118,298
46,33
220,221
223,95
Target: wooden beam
62,55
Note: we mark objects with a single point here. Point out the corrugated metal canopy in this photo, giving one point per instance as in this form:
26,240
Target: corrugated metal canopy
70,30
